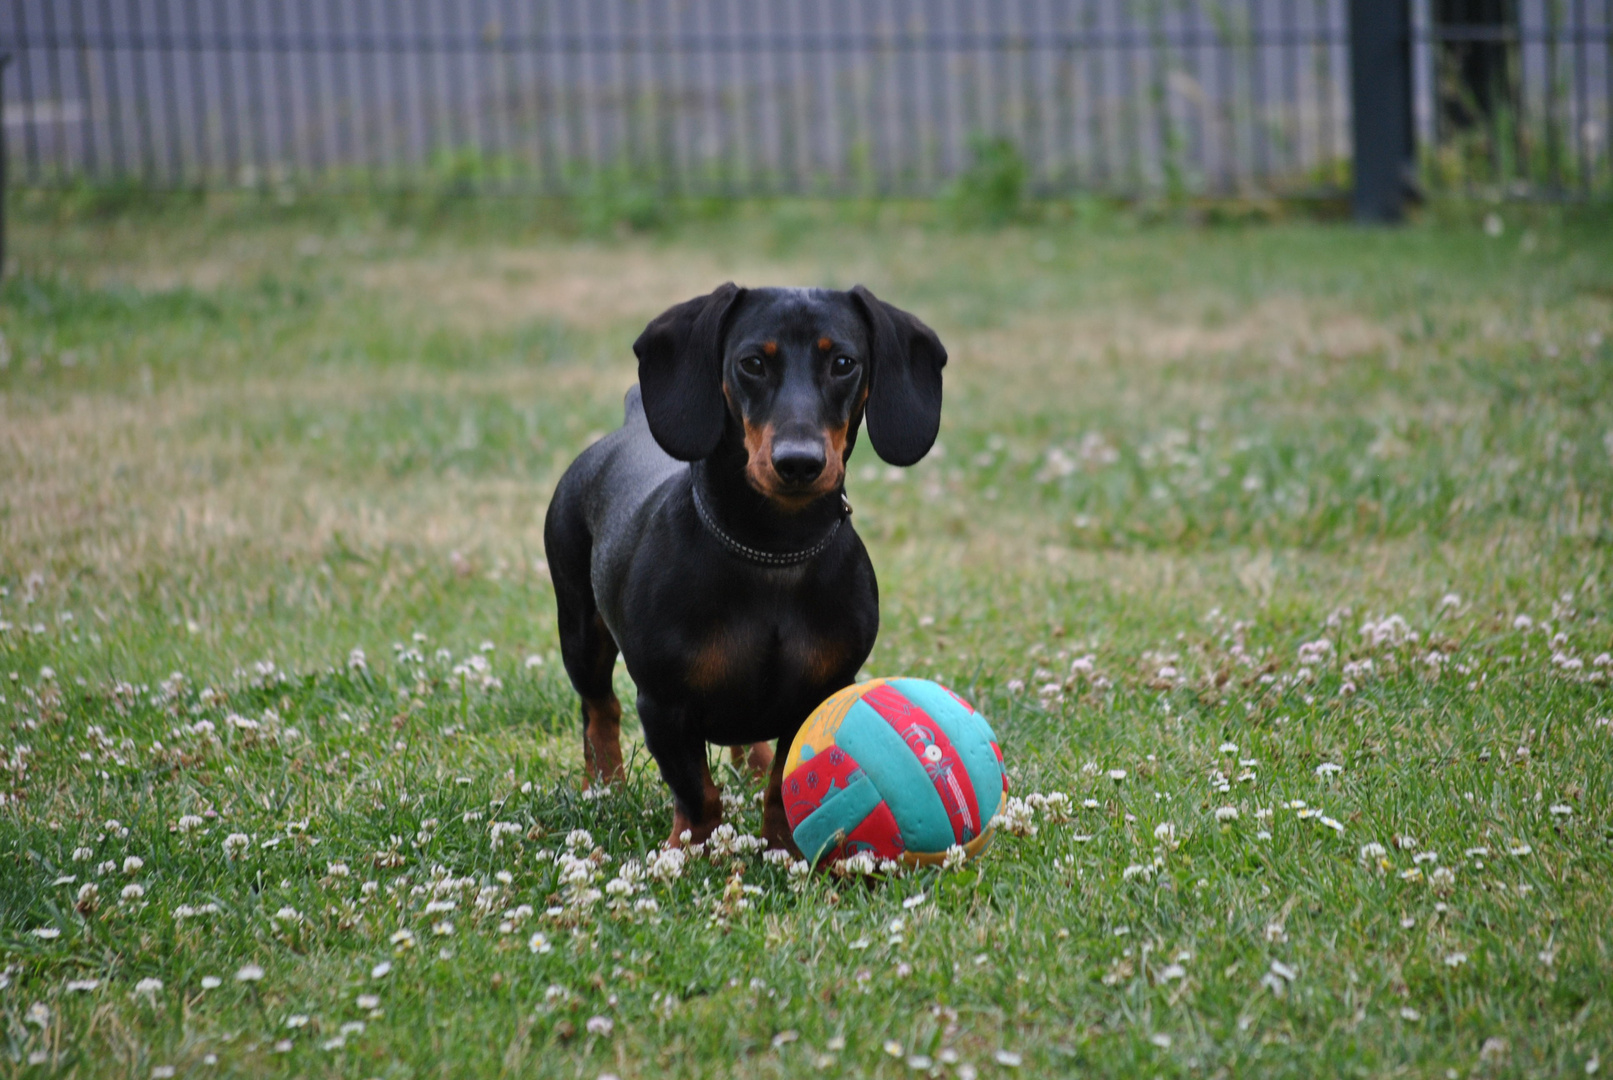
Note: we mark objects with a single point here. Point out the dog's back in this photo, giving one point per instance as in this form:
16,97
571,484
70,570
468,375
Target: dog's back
591,520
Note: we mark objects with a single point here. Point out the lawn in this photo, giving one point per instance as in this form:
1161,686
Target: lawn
1284,553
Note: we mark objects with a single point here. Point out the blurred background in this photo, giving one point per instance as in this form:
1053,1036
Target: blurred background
1132,98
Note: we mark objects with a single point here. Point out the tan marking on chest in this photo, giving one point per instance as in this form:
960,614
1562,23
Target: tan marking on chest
819,657
714,663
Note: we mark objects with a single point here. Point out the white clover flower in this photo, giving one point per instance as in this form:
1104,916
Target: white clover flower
133,864
1226,813
1165,832
133,891
83,854
954,858
211,982
1055,806
1142,870
188,823
148,988
46,933
1315,652
249,973
1455,959
82,986
381,970
580,840
600,1025
667,864
1117,775
1373,851
1562,810
1328,768
236,844
403,939
1015,818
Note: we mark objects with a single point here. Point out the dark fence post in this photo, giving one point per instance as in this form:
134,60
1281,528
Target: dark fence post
5,58
1380,91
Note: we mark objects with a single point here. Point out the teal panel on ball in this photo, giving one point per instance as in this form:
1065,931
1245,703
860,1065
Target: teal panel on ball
971,737
840,813
899,776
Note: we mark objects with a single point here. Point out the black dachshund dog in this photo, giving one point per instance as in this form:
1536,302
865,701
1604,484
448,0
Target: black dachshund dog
708,539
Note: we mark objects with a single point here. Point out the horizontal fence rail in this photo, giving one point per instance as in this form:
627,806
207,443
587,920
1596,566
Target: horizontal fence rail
780,96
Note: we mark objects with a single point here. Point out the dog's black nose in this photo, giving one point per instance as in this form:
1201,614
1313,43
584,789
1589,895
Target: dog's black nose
798,462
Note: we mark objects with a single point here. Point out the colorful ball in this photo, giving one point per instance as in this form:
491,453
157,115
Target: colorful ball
900,768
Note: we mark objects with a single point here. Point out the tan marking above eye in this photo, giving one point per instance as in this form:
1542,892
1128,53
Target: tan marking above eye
770,348
825,344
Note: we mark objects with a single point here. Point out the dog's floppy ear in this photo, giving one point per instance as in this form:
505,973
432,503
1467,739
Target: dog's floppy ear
904,394
680,373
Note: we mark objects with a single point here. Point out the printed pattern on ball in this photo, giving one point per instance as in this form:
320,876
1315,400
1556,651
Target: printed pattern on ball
901,768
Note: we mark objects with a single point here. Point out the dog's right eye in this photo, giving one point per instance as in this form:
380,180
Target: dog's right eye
752,365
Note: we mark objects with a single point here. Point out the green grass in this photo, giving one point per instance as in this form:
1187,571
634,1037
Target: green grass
238,445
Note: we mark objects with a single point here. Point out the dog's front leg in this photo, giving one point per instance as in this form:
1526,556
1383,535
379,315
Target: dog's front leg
775,824
681,755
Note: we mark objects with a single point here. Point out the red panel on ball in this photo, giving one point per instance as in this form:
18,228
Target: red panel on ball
812,781
945,769
877,833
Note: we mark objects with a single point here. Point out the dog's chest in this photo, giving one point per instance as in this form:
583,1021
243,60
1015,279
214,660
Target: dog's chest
750,670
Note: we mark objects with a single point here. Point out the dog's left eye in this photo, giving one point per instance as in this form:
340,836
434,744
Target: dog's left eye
843,365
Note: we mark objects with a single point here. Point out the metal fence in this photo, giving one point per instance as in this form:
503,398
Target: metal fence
770,96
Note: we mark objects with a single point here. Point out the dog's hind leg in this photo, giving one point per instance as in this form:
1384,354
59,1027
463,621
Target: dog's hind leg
601,711
758,757
589,653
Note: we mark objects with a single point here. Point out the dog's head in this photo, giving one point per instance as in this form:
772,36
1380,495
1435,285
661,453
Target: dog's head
791,373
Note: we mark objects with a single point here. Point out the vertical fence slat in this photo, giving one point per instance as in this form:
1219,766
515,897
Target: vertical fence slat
27,96
58,96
